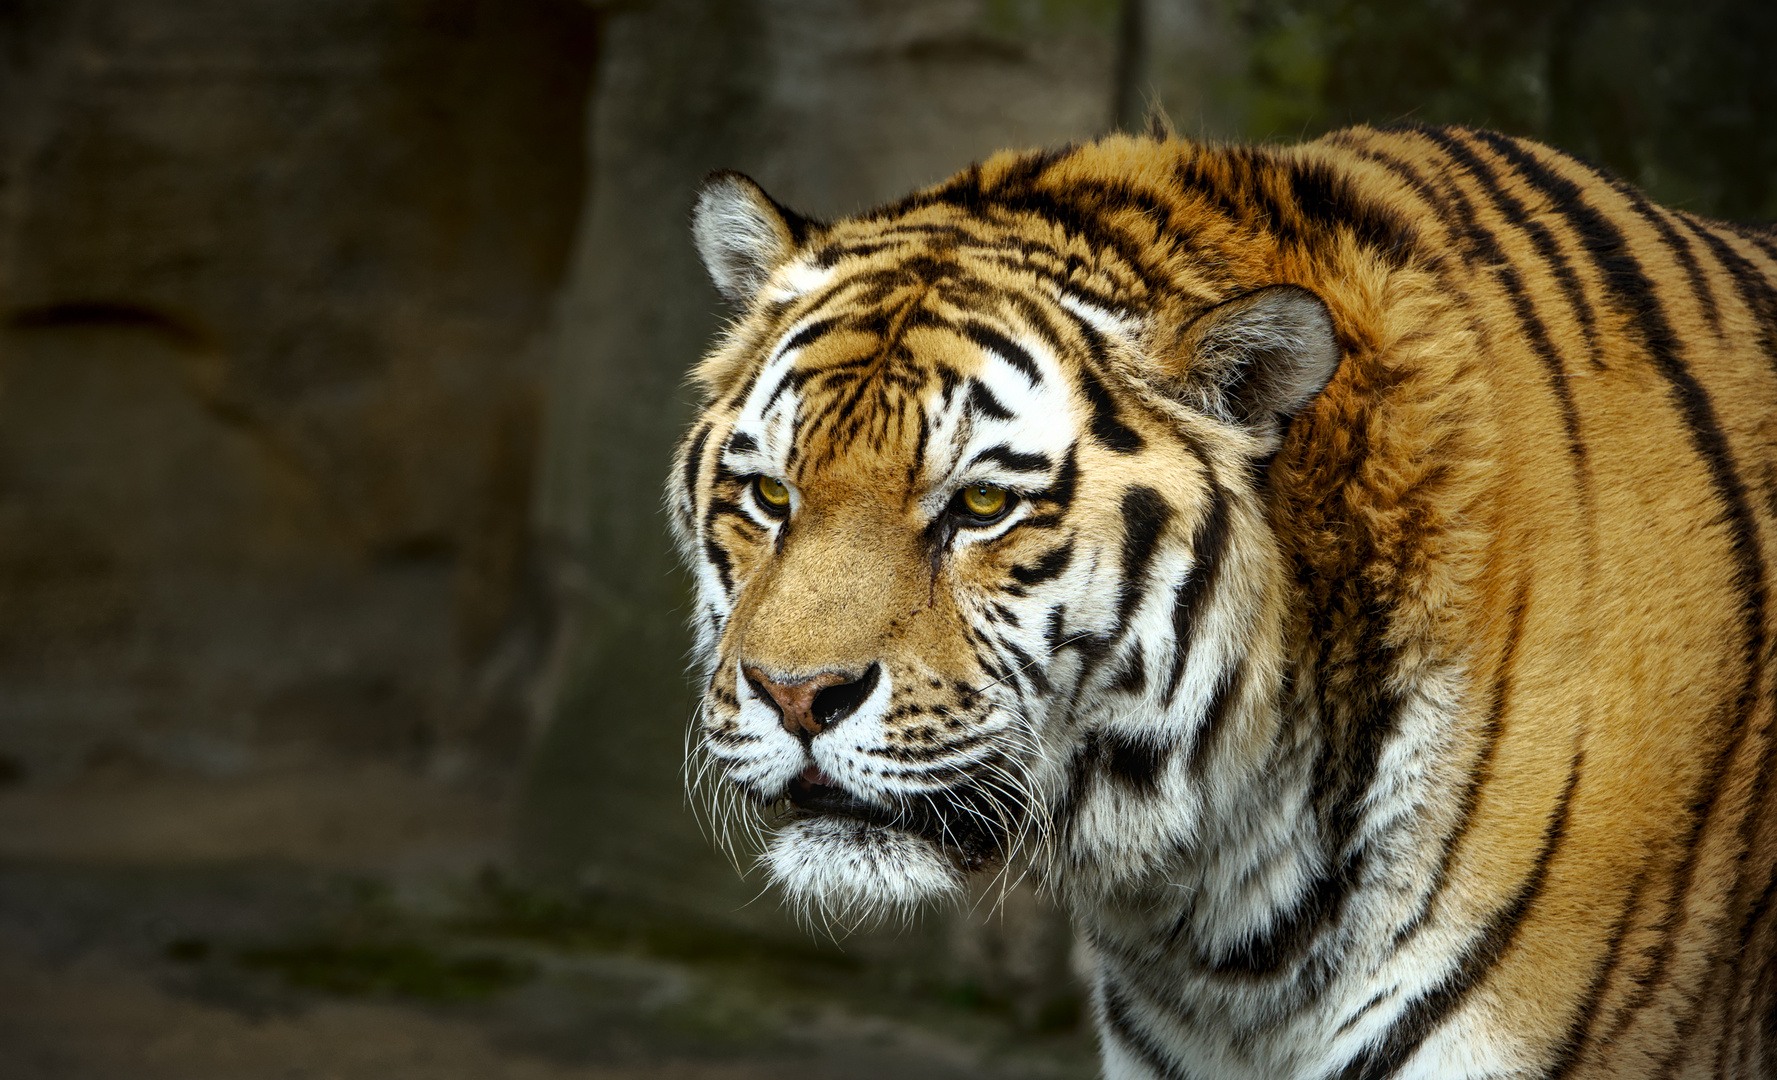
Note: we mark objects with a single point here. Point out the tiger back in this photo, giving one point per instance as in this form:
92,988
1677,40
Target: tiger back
1339,573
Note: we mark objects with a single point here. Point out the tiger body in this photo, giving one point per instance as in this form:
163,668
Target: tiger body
1373,646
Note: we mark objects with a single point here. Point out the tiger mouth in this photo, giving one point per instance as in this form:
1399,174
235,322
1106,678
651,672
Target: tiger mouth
815,794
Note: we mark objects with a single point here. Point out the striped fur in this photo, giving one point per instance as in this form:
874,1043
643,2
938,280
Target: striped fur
1413,719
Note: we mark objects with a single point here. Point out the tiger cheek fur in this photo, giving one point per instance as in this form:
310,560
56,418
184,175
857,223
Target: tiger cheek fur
1338,573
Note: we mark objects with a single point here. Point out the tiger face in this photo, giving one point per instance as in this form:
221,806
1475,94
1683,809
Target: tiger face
953,554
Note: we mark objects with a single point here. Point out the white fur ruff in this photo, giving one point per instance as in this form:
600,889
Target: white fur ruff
852,872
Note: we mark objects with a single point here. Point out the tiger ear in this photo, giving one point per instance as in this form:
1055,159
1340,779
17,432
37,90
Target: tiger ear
1259,359
742,234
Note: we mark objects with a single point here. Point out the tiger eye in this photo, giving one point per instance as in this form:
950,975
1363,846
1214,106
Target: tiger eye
984,500
772,492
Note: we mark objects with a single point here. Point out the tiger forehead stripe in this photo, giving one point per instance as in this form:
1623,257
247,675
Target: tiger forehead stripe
1001,454
1005,348
1213,534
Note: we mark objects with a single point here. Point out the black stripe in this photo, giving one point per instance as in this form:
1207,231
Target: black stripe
1291,931
806,336
740,443
1193,176
828,256
1365,1009
1107,427
1059,494
1403,171
1750,823
1680,249
1480,772
1358,725
745,388
1329,201
1121,196
1132,675
1573,1042
1516,214
1748,996
1760,237
1053,621
949,379
694,464
1635,295
1488,253
1757,291
1145,516
1026,667
1053,563
967,194
917,465
1093,650
913,755
1031,167
1013,459
1062,271
792,379
1429,1011
1038,322
1208,546
719,559
1760,909
1116,1018
1002,346
982,402
1264,187
1133,761
1215,717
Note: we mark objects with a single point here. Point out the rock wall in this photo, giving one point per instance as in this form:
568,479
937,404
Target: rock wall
272,274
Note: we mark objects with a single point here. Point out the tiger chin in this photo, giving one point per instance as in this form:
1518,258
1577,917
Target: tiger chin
1340,574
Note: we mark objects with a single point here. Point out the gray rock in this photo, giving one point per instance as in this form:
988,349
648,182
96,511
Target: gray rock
271,274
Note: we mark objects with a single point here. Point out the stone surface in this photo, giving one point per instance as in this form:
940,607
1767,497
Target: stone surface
130,909
271,277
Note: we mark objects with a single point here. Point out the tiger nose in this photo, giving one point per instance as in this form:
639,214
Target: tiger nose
809,706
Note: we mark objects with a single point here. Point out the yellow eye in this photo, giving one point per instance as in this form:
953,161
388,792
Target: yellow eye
772,492
984,500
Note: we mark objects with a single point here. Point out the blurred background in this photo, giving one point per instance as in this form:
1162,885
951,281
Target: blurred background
342,692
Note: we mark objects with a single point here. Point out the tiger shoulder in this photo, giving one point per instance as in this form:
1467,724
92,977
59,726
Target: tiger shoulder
1339,573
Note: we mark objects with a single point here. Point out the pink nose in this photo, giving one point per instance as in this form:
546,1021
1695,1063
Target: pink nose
796,698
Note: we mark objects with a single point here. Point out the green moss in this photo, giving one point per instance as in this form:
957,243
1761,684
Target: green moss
785,969
501,910
743,987
404,968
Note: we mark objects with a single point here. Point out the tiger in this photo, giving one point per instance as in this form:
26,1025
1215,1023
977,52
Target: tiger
1336,573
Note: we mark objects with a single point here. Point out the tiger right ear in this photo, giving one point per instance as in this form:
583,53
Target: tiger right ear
742,234
1258,359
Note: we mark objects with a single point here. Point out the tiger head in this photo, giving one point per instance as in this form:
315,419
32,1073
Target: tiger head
979,524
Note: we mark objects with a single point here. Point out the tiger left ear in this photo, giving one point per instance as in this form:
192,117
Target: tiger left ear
742,234
1258,360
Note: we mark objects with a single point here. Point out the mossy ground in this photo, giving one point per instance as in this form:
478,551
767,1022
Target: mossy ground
590,981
